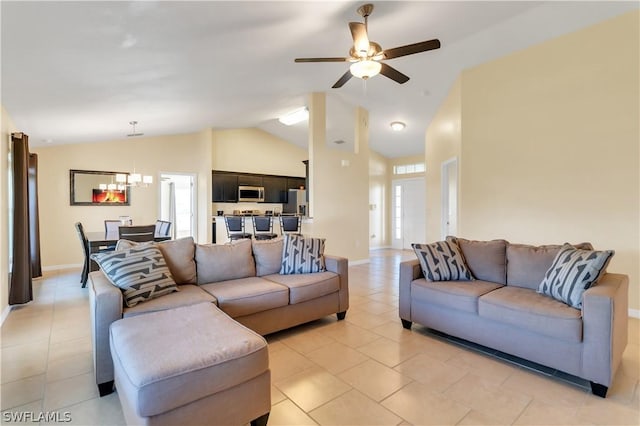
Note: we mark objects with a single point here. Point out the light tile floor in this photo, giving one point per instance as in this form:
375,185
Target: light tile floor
366,370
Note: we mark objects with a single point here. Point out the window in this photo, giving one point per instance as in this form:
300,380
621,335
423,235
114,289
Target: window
409,168
398,213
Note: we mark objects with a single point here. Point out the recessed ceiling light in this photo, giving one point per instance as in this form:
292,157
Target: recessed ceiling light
47,140
296,116
398,126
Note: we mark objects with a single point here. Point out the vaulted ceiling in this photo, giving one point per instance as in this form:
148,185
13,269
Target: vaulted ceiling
79,72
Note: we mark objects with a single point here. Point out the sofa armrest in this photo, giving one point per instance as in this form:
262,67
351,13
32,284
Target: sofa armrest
340,265
105,304
605,319
409,270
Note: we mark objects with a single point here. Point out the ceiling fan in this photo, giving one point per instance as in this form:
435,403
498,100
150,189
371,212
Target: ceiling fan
366,55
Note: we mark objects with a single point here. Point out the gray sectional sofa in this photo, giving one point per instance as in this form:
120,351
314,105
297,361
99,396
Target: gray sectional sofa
502,309
241,279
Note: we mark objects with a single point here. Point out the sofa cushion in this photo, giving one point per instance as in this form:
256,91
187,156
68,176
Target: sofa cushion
179,255
248,295
526,309
487,260
189,294
268,256
174,357
303,287
572,272
442,261
459,295
222,262
140,272
301,255
527,264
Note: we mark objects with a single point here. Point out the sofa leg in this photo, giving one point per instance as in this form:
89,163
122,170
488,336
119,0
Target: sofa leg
599,390
105,388
341,315
260,421
406,324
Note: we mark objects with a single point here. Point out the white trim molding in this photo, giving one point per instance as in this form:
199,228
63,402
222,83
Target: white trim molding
634,313
5,314
60,267
358,262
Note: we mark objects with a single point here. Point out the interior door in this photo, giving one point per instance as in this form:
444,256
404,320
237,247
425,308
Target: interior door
449,215
178,203
409,212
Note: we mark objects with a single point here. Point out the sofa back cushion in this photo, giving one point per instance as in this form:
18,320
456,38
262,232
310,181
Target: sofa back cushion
222,262
179,255
268,256
527,264
487,260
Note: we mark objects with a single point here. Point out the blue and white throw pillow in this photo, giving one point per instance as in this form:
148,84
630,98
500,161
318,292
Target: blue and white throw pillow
302,255
572,272
442,261
140,272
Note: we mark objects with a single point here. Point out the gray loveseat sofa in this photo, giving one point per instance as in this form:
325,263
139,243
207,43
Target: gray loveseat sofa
501,309
241,279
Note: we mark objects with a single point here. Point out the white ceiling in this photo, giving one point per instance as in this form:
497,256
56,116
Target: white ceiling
80,71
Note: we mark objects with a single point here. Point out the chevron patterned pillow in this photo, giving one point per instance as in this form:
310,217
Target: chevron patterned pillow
442,261
572,272
302,255
140,272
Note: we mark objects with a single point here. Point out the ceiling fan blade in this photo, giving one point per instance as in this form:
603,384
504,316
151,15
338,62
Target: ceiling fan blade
410,49
321,59
393,74
360,38
345,77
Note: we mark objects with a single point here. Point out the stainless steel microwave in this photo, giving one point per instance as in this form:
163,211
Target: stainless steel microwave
251,193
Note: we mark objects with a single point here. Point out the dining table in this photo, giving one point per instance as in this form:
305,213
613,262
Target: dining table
99,242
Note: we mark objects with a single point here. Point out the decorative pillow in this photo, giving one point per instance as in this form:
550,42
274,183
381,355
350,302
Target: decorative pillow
179,254
572,272
442,261
302,255
222,262
268,256
140,272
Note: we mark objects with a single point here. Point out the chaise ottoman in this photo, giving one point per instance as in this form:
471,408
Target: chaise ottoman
192,365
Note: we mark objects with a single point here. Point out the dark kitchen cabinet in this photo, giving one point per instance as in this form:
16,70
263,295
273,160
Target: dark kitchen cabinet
296,183
275,189
250,180
224,187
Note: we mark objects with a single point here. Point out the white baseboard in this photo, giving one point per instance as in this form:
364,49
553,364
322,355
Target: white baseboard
59,267
358,262
634,313
5,314
380,248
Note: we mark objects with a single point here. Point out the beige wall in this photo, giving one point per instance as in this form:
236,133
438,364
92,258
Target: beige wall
551,144
379,200
442,142
7,128
255,151
190,153
339,192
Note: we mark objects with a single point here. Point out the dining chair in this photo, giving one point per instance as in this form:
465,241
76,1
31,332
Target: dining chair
235,227
163,228
290,224
263,228
111,229
137,233
85,249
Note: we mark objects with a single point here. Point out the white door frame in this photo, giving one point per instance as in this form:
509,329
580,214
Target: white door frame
194,198
444,191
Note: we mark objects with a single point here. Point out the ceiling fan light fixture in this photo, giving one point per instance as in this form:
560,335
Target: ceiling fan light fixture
294,117
365,69
397,126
